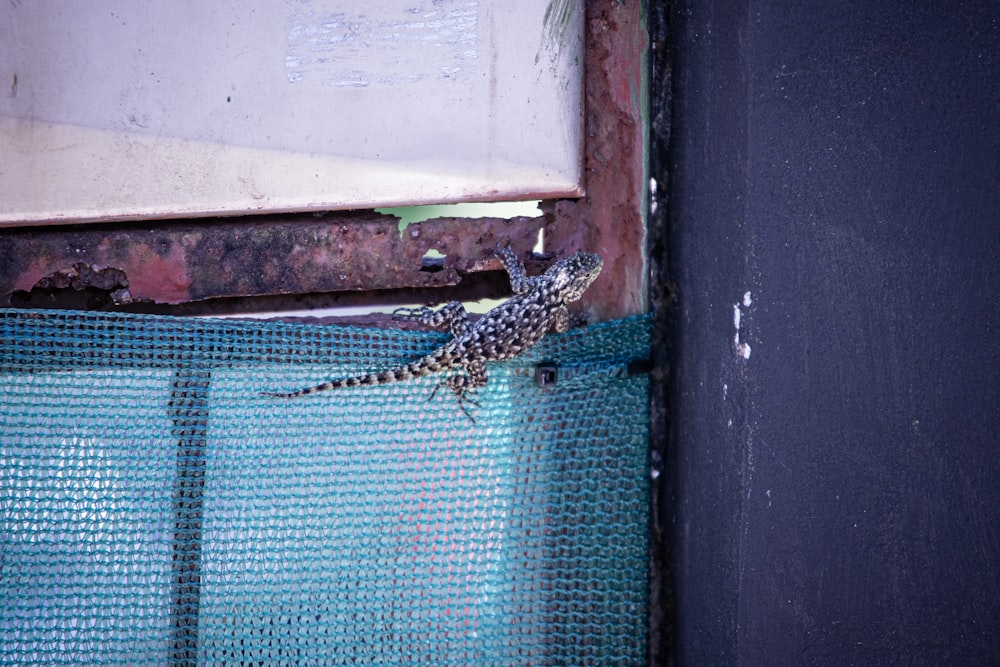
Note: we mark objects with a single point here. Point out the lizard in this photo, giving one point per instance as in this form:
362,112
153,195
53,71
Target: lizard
539,304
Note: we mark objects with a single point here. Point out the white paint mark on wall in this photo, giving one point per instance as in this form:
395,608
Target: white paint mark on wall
743,349
382,43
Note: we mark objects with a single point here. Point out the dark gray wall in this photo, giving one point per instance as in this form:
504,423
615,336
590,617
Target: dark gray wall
836,496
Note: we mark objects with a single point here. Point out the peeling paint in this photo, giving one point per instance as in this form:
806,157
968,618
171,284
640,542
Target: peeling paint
742,348
81,286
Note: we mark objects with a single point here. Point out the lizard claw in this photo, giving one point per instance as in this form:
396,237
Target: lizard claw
578,320
463,393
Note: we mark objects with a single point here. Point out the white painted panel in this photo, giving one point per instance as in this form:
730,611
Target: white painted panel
123,109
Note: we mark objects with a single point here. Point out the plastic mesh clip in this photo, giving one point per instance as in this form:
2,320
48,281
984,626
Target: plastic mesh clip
546,373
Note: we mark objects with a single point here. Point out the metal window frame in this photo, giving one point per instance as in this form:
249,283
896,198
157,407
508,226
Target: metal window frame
215,266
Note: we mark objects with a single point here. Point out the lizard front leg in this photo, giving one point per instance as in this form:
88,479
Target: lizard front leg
452,315
560,319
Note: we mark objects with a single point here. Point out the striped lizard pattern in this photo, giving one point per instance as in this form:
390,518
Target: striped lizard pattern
539,304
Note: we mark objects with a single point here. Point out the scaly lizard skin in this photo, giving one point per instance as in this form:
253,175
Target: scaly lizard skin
538,305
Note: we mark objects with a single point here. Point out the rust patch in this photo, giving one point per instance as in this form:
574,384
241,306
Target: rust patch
81,286
163,274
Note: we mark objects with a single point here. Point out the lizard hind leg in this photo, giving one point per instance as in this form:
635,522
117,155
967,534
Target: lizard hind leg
464,388
460,386
519,281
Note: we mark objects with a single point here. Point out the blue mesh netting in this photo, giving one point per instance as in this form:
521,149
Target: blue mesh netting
155,509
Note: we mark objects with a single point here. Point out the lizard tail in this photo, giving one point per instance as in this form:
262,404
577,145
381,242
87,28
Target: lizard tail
358,381
417,368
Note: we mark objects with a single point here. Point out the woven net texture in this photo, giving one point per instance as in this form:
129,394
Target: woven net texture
156,509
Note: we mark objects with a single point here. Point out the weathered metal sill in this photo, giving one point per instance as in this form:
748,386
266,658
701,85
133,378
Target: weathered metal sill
360,257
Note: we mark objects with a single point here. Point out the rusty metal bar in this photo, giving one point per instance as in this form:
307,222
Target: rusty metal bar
179,262
611,217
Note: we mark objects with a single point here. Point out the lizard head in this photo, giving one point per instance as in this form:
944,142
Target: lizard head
573,275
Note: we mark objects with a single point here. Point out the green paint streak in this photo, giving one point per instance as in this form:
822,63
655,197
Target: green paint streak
409,215
557,22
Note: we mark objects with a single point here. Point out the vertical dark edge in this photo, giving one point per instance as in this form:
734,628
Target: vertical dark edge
662,302
834,495
708,453
188,409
